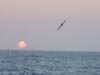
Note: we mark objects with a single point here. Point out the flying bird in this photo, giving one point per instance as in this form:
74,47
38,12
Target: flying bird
61,25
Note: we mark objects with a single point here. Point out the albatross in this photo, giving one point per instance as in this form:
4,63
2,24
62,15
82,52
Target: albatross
61,25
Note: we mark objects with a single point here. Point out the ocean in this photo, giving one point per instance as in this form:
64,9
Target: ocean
15,62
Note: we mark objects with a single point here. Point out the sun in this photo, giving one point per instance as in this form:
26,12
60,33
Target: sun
21,44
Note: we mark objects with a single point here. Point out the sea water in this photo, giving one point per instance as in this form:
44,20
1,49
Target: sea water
49,63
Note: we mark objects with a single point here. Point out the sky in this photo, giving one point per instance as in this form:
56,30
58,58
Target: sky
36,23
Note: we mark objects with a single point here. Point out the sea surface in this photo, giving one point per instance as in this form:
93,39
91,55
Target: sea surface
14,62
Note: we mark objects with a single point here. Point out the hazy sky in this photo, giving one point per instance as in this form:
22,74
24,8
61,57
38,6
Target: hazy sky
36,22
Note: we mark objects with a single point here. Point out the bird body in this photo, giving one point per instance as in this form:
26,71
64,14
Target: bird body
61,25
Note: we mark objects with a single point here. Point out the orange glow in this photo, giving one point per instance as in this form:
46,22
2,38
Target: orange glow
21,44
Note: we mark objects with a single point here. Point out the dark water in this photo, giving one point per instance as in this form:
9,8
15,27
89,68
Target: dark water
49,63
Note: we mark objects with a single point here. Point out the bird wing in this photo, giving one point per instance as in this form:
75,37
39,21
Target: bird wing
63,22
59,27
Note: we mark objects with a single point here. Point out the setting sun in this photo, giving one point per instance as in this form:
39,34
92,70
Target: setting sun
22,44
